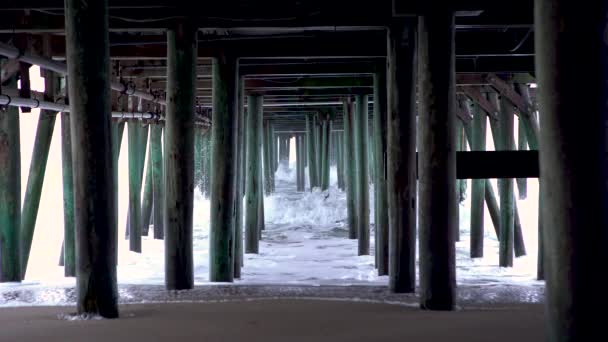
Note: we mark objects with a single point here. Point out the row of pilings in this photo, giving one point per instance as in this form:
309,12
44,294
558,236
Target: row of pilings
421,61
243,153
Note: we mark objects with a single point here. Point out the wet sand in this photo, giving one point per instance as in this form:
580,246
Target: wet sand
282,320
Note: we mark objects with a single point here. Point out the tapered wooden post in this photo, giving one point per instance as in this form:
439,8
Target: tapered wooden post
224,161
339,143
300,162
350,168
460,183
380,143
135,133
87,54
318,147
35,180
198,154
362,178
254,160
158,188
522,145
310,152
240,179
206,168
179,155
401,155
325,142
10,193
267,154
437,160
146,206
502,132
478,190
531,128
571,50
273,153
489,196
68,247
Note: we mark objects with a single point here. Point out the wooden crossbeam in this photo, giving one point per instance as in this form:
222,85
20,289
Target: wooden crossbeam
476,95
505,89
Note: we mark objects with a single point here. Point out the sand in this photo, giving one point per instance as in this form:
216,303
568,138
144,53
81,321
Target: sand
278,320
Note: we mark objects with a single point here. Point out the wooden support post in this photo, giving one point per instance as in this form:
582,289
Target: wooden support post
240,179
489,196
437,160
198,156
117,130
33,190
268,163
254,159
310,152
158,188
462,183
532,131
350,168
522,145
572,76
502,131
10,192
339,143
135,134
362,178
88,61
207,163
380,146
318,148
274,153
68,246
401,155
261,218
146,206
325,136
179,155
478,191
224,161
300,162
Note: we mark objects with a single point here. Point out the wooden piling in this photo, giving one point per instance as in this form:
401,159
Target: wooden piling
135,134
88,61
380,146
179,155
268,162
10,192
310,152
68,247
339,143
478,186
401,155
362,178
437,159
300,162
325,142
146,206
240,179
571,50
224,161
254,159
502,131
531,128
522,145
350,169
35,180
158,188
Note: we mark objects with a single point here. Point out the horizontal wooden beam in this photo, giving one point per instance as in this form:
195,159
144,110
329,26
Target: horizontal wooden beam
497,164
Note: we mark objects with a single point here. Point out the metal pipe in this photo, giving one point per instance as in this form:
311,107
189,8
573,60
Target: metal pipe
6,100
61,68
